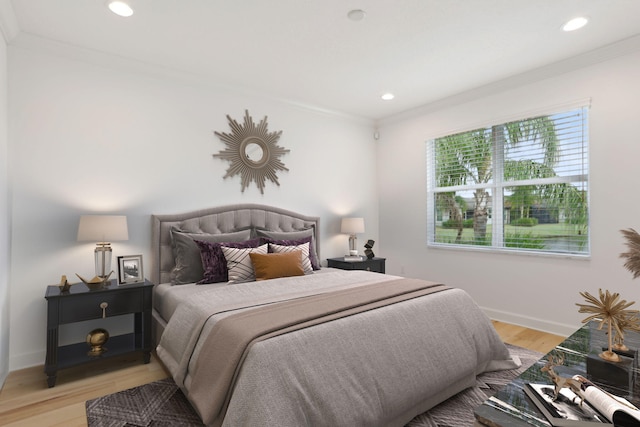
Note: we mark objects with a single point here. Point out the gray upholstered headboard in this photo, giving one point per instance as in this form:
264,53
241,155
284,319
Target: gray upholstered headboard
223,219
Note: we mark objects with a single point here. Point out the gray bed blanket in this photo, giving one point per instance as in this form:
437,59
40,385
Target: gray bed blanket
232,337
380,367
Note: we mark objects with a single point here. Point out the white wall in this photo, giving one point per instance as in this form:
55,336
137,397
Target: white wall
534,291
87,137
4,218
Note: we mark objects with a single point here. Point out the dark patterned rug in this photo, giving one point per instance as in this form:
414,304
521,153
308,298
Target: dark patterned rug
161,403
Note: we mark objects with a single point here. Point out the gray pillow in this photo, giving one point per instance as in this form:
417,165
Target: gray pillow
186,252
294,238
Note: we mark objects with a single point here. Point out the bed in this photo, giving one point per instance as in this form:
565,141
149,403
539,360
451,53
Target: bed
319,347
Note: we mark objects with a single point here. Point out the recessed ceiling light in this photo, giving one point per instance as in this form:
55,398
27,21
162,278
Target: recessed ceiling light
356,15
575,23
120,8
388,96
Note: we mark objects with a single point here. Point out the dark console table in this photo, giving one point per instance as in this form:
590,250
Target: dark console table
511,407
80,304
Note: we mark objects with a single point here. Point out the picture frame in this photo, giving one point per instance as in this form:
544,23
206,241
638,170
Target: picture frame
130,270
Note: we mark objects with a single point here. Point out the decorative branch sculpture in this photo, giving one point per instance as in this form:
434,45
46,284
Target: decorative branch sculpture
626,323
607,310
633,255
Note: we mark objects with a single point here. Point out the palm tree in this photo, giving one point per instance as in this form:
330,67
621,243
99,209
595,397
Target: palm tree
455,205
467,159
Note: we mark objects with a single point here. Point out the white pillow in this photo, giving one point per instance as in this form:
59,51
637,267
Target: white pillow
239,263
304,254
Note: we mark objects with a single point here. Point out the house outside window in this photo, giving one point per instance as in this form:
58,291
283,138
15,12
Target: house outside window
518,186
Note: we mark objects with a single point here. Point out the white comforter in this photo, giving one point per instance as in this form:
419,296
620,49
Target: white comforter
381,367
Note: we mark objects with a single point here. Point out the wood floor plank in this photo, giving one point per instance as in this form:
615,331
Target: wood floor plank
25,399
532,339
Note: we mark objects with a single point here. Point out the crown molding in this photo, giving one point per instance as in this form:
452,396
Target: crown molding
592,57
99,58
8,21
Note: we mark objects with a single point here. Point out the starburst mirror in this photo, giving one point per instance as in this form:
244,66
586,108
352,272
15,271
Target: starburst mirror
252,151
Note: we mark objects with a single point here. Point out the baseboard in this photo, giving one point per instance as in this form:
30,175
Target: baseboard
29,360
531,322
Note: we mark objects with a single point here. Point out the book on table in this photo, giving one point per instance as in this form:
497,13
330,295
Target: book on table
568,409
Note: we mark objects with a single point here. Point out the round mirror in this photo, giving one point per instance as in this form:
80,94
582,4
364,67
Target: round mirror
254,152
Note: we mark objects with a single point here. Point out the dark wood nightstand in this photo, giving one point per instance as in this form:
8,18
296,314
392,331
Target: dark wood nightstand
80,304
374,264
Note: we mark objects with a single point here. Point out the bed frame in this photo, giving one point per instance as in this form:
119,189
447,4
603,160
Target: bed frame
222,219
452,317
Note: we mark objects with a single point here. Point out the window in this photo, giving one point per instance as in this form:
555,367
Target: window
518,186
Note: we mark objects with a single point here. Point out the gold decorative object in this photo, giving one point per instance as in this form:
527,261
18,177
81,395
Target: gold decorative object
626,323
64,284
559,381
607,309
252,151
97,282
96,340
633,255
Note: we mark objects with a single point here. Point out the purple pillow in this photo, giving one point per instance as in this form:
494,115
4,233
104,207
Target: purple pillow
296,242
214,262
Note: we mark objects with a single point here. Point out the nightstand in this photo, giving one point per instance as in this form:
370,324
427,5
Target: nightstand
374,264
80,304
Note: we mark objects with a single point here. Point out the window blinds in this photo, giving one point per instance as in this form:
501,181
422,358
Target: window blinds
521,185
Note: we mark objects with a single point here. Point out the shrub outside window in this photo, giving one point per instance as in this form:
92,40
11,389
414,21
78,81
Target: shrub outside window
517,186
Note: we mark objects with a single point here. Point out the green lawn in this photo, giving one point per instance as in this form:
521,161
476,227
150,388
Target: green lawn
540,231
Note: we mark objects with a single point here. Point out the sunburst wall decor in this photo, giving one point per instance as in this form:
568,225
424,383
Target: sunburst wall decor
252,151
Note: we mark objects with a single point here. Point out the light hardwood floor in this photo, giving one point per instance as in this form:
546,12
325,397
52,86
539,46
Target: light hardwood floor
26,401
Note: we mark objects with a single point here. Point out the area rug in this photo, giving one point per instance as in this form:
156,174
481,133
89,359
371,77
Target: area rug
161,403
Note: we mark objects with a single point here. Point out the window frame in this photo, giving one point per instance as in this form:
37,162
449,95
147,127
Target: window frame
497,186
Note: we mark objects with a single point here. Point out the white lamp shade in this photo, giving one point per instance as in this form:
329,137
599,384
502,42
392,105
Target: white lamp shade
352,225
102,228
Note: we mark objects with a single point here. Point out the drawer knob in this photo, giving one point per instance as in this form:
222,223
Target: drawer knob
103,306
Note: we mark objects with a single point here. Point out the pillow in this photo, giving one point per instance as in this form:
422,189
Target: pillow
188,268
304,254
289,238
239,263
274,265
214,262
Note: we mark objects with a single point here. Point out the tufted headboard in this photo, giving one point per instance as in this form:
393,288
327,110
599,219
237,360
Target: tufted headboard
222,219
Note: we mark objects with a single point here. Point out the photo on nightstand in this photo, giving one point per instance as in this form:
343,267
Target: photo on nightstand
130,269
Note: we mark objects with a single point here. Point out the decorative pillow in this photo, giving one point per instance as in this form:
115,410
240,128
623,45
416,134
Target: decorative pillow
288,238
274,265
239,263
188,268
304,254
214,262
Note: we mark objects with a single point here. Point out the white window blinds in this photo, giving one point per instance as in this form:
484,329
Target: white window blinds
520,186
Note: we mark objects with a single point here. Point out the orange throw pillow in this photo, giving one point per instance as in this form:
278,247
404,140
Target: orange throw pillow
274,265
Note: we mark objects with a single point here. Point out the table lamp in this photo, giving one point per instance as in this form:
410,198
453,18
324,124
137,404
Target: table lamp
352,226
102,229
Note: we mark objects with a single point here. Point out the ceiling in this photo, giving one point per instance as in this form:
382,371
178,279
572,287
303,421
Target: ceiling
308,51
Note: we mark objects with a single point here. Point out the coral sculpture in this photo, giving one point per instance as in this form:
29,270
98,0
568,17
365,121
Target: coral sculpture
633,255
611,310
626,323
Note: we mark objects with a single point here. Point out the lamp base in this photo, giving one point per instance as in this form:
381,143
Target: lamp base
352,245
102,256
